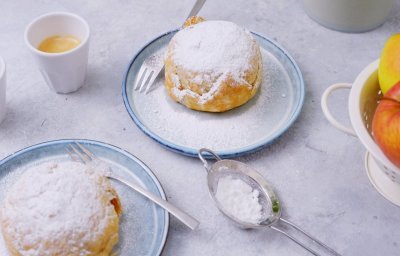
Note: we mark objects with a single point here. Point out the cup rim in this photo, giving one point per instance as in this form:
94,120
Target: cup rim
356,116
2,67
46,54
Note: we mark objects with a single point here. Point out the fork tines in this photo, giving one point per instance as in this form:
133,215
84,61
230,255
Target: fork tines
148,72
145,79
78,152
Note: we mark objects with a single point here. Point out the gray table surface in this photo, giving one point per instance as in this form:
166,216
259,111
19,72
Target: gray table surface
317,170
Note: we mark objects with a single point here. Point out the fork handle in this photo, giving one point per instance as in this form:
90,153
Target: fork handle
185,218
196,8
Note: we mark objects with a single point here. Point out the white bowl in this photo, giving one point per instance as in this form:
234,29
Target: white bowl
349,15
383,174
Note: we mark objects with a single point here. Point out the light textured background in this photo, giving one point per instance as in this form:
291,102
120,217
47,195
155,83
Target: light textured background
317,170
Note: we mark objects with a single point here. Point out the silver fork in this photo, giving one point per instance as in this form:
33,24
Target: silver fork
78,152
153,64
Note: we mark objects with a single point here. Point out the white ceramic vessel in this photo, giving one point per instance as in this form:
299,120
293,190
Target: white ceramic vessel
349,15
2,89
383,174
64,72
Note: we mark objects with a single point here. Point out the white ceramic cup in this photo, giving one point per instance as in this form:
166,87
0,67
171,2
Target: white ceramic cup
3,83
383,174
349,15
64,72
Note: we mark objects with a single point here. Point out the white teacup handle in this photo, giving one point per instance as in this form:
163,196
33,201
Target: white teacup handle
327,112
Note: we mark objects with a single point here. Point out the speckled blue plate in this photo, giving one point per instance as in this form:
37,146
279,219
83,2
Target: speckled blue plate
143,226
239,131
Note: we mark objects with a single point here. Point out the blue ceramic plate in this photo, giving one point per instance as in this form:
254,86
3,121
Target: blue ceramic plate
230,134
143,226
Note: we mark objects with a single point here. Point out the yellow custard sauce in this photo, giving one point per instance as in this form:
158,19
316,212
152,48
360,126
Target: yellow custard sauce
57,44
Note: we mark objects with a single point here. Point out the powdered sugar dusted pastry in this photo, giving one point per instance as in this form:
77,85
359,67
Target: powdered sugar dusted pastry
212,66
60,209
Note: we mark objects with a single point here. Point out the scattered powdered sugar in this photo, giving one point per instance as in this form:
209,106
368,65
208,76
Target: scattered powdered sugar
239,199
211,52
241,127
203,98
214,48
56,208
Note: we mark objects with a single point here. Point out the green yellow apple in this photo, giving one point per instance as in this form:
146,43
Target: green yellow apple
386,124
389,64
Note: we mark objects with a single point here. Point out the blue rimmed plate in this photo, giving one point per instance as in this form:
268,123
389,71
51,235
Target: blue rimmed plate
143,225
230,134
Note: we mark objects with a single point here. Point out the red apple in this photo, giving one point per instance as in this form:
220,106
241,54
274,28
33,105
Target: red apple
386,124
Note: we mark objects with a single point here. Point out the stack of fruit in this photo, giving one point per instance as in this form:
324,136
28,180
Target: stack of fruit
386,121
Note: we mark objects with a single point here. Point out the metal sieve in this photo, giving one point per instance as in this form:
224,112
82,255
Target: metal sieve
271,207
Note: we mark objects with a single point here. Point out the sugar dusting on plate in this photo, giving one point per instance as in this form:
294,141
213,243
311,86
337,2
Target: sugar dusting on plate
241,127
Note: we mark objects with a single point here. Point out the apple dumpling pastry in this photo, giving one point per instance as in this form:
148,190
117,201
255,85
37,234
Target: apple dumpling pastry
212,66
62,209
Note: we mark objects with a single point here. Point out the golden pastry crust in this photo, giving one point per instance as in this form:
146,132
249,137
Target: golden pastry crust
213,79
193,20
61,209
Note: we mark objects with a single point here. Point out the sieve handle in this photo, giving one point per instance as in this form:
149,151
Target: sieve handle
210,152
295,240
327,248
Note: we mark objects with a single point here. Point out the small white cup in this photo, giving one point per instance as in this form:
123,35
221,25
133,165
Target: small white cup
349,15
2,89
63,72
